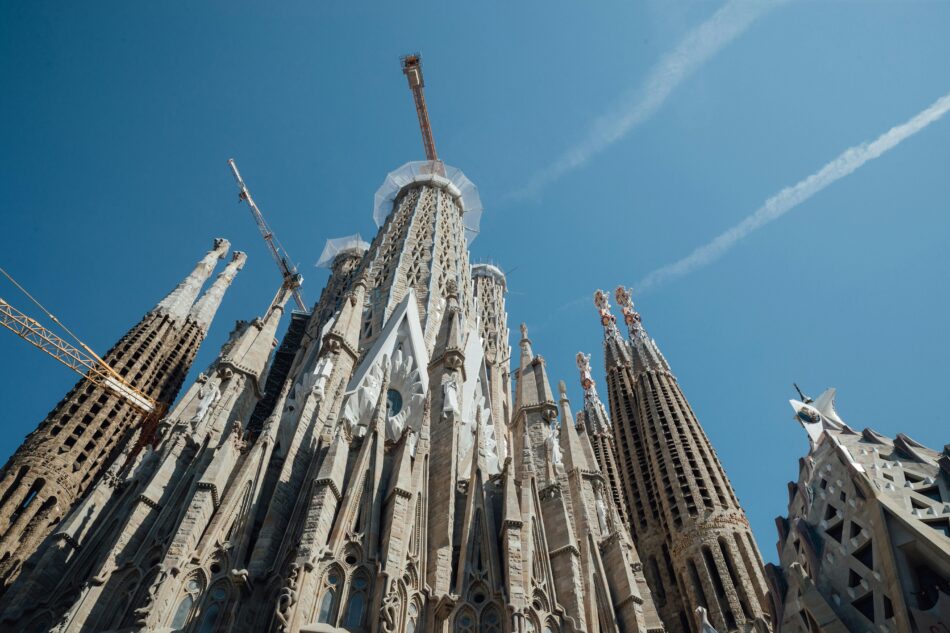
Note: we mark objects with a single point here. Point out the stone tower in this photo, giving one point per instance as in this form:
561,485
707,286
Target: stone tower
79,438
594,421
490,289
683,510
376,495
866,543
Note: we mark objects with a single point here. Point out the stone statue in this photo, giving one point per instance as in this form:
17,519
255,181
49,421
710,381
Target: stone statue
321,374
207,395
450,396
554,448
602,513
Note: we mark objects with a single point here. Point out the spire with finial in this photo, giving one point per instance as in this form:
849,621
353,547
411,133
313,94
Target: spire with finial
607,319
527,355
630,316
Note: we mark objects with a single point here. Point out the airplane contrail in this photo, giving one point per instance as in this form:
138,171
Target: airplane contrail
790,197
694,50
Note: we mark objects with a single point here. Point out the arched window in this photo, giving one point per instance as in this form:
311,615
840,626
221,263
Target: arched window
215,605
331,584
356,603
465,621
412,618
186,605
490,621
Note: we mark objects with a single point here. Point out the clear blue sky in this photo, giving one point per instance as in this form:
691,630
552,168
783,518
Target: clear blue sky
117,118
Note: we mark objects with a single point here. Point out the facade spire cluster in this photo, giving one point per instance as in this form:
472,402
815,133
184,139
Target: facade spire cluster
89,433
388,469
683,510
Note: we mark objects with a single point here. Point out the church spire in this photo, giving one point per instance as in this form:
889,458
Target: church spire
179,301
204,310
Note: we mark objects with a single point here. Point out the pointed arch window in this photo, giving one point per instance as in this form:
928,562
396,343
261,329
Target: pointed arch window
490,621
412,618
331,585
356,603
465,621
186,605
213,608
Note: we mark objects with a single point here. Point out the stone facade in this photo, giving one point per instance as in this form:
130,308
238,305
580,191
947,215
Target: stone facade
684,515
393,485
70,450
866,543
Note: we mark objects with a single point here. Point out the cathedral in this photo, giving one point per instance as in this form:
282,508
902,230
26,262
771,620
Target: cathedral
389,467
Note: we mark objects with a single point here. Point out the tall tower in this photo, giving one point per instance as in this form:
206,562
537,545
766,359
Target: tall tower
79,438
490,289
684,512
596,423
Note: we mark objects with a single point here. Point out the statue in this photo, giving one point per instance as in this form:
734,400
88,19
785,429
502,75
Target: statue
207,395
450,396
601,513
554,448
524,330
321,374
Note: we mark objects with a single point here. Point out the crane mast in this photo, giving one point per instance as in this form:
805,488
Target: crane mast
412,69
292,279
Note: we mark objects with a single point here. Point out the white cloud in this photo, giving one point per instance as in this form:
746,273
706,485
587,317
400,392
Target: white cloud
790,197
694,50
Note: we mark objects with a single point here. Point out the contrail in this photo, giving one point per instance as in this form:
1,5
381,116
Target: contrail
699,45
790,197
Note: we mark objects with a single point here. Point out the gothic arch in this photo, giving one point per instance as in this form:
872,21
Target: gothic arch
212,612
331,590
187,599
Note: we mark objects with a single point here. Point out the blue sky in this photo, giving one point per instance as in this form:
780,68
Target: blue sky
117,119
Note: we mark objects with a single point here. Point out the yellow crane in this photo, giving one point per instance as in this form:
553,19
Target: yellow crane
81,360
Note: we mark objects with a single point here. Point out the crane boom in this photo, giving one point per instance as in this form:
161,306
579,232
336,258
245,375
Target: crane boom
288,271
87,364
412,69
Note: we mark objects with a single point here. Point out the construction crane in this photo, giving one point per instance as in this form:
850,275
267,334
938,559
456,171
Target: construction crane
412,69
84,362
292,279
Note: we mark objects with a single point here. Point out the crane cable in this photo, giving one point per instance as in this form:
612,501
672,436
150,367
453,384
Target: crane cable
52,316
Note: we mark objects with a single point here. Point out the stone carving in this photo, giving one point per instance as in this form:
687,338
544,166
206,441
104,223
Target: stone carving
552,444
583,364
405,386
608,320
208,394
321,374
287,597
450,396
630,316
601,513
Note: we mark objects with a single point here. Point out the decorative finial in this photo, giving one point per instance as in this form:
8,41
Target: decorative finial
562,388
630,316
583,364
603,307
524,331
